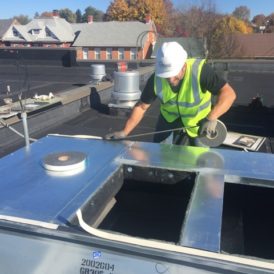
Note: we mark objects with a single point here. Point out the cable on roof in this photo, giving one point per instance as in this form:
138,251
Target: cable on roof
4,124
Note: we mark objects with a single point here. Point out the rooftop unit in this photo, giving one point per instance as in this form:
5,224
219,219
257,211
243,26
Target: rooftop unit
126,90
146,207
97,72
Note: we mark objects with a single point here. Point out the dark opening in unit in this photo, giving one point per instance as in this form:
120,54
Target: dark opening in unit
150,203
248,221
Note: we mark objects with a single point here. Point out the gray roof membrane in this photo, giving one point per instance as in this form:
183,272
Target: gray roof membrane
59,27
111,34
4,26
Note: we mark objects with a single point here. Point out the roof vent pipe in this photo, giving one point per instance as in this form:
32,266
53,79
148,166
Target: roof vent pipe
126,89
97,72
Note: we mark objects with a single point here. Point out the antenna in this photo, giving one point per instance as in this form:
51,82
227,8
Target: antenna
9,100
24,120
25,81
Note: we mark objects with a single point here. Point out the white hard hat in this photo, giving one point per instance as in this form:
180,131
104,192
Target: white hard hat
170,59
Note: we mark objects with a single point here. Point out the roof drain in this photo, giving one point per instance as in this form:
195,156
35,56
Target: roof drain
126,91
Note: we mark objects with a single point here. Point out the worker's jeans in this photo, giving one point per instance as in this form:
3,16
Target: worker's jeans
178,137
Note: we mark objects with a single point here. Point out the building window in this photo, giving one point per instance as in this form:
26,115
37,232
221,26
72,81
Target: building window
15,32
109,53
121,53
85,53
97,54
48,33
133,54
35,31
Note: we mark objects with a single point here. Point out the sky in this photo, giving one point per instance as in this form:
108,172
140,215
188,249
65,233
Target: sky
30,7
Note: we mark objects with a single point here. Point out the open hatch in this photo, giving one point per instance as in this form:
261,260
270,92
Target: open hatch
248,221
187,209
149,203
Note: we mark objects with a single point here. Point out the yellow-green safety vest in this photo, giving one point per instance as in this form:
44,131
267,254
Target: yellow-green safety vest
191,104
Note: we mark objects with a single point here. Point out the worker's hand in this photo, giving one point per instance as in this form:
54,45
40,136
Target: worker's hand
115,135
207,127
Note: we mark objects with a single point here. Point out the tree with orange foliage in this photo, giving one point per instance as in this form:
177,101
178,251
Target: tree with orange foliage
137,10
223,43
118,10
46,14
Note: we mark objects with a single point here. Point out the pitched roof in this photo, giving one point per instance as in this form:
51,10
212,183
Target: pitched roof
25,36
253,45
61,31
4,26
193,46
111,34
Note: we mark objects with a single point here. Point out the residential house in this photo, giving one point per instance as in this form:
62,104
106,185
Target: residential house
42,32
114,40
6,26
255,45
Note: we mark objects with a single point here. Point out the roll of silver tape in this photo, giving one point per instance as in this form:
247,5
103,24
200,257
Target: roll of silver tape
216,139
64,161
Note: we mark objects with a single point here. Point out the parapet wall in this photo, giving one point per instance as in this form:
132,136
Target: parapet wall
42,56
72,103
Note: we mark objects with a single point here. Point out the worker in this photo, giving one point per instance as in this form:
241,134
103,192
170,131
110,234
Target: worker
184,87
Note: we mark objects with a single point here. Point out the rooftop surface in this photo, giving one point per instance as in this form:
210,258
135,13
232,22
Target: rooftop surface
185,208
247,116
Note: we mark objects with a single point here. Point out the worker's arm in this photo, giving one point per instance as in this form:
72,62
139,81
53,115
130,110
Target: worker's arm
135,117
147,97
225,99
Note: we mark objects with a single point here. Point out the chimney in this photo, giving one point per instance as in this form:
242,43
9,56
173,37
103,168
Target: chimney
148,18
55,13
90,19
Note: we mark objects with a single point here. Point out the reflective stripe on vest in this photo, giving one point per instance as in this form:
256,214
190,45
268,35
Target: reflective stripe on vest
190,103
195,69
201,107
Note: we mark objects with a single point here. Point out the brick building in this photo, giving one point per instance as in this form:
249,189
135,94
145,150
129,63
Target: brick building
114,40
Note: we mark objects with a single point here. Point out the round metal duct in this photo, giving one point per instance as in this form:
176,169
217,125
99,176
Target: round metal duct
126,86
97,72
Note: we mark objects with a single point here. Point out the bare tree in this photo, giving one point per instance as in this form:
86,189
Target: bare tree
270,23
226,47
193,17
223,40
22,19
258,19
242,13
199,20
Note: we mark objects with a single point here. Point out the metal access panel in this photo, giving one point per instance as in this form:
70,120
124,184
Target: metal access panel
83,255
29,191
39,209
